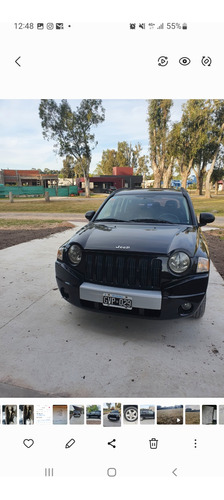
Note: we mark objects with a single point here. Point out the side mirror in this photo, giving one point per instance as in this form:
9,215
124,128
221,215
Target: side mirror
89,215
206,218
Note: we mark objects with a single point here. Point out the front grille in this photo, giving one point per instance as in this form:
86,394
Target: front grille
123,270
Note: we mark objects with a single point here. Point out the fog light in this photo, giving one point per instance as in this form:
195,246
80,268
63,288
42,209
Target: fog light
186,306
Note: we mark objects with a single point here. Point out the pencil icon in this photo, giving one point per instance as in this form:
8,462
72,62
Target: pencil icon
70,443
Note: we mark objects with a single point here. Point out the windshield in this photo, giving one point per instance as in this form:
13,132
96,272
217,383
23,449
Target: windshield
150,207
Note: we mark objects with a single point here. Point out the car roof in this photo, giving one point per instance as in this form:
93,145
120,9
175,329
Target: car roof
149,191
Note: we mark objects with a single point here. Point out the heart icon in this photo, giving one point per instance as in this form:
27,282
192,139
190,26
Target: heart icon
28,443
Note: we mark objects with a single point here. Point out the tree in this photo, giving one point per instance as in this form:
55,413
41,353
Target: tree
47,171
72,130
216,138
143,167
158,120
218,172
173,142
202,159
193,138
67,170
108,161
124,154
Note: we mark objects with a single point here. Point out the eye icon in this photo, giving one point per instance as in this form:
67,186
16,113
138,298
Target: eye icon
184,61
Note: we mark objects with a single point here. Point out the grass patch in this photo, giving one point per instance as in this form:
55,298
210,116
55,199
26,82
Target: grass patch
81,205
214,205
72,205
28,223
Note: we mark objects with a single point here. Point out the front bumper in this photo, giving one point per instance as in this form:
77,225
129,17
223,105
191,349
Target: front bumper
164,304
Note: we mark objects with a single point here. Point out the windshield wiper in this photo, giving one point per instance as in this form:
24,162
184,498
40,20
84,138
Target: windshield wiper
109,219
151,220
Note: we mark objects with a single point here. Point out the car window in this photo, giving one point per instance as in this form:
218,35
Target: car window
161,207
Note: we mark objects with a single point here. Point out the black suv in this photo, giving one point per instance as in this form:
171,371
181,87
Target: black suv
144,413
113,415
76,413
142,253
94,414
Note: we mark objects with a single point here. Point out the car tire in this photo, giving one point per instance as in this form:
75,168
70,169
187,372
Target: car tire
200,311
131,414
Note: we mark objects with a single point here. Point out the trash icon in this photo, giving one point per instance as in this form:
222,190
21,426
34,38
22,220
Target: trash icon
153,443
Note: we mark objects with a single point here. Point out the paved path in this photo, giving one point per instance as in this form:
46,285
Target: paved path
48,347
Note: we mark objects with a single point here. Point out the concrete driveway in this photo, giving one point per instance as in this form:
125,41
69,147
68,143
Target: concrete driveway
50,348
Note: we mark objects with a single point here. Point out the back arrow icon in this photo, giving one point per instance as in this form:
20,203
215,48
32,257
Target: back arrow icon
16,61
174,472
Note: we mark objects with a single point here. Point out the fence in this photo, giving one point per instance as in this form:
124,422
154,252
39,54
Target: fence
37,191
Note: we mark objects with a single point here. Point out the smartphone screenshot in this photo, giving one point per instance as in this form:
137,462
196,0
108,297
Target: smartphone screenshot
111,246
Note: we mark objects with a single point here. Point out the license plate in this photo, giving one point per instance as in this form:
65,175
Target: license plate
113,300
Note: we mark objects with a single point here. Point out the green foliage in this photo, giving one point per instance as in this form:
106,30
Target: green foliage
24,223
217,174
124,156
93,408
72,130
68,167
158,123
47,171
107,163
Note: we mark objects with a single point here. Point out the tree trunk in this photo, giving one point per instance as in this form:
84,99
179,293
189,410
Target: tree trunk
200,178
201,184
208,176
157,175
86,168
157,181
209,173
87,188
185,170
168,174
184,176
199,172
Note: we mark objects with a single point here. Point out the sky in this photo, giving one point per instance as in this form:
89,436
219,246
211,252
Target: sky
22,144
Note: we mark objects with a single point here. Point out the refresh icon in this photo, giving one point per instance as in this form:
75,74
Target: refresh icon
163,61
206,61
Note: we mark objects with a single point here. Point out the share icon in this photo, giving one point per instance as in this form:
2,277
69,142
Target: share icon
111,443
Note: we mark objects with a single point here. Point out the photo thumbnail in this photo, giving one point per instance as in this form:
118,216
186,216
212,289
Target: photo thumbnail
76,414
112,414
170,415
93,415
9,414
192,414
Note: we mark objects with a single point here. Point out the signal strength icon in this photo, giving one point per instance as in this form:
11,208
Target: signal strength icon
161,27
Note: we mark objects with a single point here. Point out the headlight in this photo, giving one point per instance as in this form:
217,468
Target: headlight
75,254
60,253
203,265
179,262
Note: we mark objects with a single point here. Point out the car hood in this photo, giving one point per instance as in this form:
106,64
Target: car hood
157,238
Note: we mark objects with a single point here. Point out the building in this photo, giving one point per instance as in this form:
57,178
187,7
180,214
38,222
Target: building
27,178
122,178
